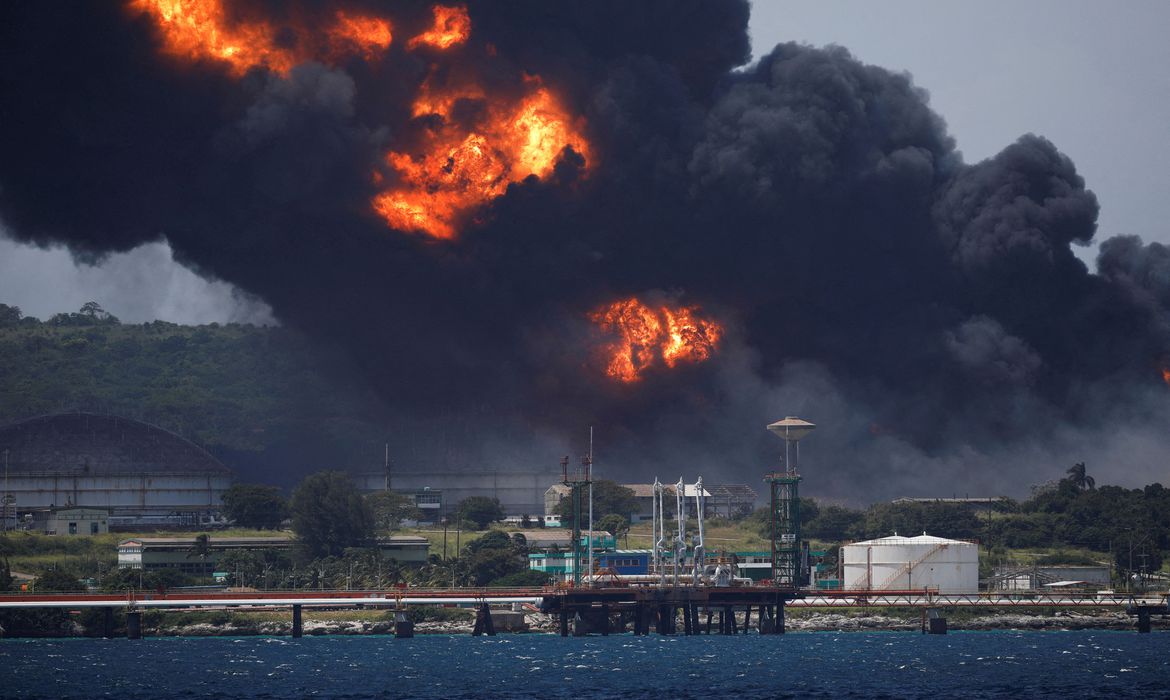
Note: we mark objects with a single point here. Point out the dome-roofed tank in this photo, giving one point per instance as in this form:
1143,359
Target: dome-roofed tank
136,470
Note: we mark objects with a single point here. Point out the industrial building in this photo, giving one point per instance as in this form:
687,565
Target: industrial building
180,552
624,562
1039,577
437,492
730,500
562,539
911,563
67,521
139,473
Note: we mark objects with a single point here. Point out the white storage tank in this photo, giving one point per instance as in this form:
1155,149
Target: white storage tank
911,563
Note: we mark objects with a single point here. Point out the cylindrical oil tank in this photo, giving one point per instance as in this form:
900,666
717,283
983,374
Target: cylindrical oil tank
911,563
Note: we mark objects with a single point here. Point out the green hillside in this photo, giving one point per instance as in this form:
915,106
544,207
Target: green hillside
256,397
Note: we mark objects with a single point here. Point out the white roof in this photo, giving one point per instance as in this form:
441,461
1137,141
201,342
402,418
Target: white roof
900,540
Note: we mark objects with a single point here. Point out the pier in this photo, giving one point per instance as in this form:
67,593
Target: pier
595,610
612,609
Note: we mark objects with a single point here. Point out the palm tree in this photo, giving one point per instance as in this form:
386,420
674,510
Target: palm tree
201,548
1078,477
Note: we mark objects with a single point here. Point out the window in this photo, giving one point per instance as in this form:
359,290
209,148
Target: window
93,528
72,528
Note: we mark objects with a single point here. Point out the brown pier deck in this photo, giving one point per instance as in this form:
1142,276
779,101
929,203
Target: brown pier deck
702,609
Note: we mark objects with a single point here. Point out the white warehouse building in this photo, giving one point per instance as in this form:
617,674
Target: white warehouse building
911,563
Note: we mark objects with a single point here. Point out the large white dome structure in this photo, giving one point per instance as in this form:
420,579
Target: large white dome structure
911,563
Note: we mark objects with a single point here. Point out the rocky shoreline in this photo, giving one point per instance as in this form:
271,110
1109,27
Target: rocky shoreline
547,624
815,622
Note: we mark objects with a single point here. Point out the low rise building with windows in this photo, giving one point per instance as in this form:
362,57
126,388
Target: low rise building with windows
186,554
70,520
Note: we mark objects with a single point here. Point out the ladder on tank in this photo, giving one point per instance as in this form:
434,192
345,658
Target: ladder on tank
909,569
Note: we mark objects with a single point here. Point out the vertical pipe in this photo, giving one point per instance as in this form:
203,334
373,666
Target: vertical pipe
589,478
699,550
680,516
298,627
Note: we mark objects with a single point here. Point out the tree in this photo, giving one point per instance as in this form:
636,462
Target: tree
493,556
480,510
614,524
201,548
491,540
1078,477
57,580
90,314
255,505
608,497
329,515
5,575
488,565
835,523
390,508
9,315
528,578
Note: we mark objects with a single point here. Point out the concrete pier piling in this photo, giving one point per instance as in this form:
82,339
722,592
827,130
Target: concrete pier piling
657,609
935,622
298,627
483,622
134,625
403,625
1144,613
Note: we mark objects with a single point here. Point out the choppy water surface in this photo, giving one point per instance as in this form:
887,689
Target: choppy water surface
976,664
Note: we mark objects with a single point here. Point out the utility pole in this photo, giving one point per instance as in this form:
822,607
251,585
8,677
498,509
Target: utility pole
386,466
6,495
1129,571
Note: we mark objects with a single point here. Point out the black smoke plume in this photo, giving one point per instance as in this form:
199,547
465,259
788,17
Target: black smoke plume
929,314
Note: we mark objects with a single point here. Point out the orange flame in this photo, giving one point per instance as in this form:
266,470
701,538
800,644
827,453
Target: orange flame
1166,375
359,35
461,169
645,335
452,27
200,30
460,164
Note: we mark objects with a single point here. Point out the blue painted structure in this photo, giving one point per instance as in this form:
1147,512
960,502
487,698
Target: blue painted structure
626,562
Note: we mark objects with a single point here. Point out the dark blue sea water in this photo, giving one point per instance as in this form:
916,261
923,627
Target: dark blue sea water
848,665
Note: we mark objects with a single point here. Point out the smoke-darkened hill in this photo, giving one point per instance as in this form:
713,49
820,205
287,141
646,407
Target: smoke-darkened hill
520,219
269,403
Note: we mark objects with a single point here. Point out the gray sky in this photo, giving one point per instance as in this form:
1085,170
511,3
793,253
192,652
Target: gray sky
1093,77
142,285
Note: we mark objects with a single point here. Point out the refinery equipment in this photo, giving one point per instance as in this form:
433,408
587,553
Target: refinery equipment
788,561
580,483
679,565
